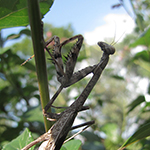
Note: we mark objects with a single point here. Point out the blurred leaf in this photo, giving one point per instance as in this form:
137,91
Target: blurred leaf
11,58
148,89
100,102
16,36
21,141
117,77
143,39
142,55
14,12
116,6
3,50
37,96
145,65
145,144
29,89
11,130
2,76
141,133
147,105
93,146
110,129
90,136
63,148
140,99
140,21
26,32
73,144
28,65
34,114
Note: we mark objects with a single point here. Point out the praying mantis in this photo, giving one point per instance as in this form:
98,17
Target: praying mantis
56,135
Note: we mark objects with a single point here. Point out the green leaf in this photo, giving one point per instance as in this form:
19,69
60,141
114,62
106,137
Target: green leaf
14,12
34,114
141,133
142,55
73,144
21,141
145,65
140,20
90,136
140,99
143,39
63,148
10,57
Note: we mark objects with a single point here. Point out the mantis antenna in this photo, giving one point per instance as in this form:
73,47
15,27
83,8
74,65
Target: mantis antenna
118,39
114,34
113,41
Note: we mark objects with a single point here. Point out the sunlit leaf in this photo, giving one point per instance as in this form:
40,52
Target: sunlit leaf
141,133
21,141
145,65
143,39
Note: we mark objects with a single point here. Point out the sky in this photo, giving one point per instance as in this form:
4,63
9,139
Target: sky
95,19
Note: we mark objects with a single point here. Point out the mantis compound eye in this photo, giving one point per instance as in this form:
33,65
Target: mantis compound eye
109,49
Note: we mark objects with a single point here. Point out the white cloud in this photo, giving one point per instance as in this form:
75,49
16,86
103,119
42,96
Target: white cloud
115,25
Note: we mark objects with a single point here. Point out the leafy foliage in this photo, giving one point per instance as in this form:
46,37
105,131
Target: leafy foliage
73,144
14,12
115,103
143,39
139,66
21,141
141,133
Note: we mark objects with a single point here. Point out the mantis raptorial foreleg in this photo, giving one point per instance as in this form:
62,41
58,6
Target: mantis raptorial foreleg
68,78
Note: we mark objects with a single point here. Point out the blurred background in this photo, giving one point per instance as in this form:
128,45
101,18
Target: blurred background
120,101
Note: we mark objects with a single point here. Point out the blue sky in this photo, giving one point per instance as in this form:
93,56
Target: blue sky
87,17
84,15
